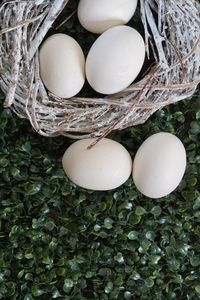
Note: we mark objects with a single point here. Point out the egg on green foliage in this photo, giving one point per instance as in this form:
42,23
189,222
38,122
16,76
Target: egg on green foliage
104,167
159,165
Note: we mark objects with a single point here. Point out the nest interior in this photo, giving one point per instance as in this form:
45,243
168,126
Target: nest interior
171,33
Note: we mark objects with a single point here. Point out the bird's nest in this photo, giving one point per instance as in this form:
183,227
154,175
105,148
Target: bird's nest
171,33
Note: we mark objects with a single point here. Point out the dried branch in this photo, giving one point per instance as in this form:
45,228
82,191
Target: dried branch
56,8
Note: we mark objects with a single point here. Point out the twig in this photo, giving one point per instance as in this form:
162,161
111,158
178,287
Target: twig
124,116
56,8
17,58
66,19
20,24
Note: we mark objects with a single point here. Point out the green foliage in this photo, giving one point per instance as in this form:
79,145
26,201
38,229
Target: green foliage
58,241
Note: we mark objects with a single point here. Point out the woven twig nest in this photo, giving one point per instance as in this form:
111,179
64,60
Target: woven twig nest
172,31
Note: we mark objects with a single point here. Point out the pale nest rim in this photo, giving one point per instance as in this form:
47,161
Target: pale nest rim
174,38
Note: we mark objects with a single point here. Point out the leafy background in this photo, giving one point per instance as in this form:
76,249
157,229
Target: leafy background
58,241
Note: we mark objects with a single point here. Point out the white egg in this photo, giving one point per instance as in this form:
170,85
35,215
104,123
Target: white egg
104,167
62,65
99,15
115,59
159,165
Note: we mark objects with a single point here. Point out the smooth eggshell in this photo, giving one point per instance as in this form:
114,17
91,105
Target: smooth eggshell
159,165
115,59
98,16
104,167
62,65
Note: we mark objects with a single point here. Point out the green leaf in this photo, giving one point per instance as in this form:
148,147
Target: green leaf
127,295
195,127
150,235
20,274
29,255
33,188
108,223
15,172
195,261
144,246
106,272
189,195
197,289
154,259
109,287
4,162
135,220
29,277
61,271
156,210
68,285
36,290
119,258
139,211
197,203
55,293
28,297
178,279
26,147
149,282
135,276
198,115
133,235
50,225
